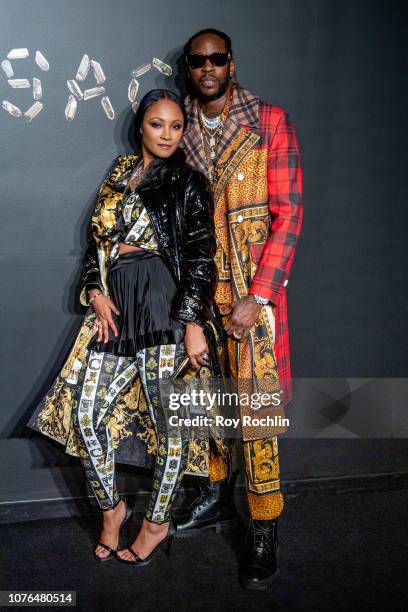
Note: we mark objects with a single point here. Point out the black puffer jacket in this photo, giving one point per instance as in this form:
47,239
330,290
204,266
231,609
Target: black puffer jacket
181,214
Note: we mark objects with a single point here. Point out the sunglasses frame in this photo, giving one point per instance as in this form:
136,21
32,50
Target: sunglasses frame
208,57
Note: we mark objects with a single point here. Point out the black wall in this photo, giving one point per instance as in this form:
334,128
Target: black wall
339,68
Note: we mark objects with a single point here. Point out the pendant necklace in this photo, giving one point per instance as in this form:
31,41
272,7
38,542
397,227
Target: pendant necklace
211,132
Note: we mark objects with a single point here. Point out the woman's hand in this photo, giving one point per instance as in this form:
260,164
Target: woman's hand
196,345
103,307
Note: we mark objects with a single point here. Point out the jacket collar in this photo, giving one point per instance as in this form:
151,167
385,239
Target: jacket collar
244,113
126,163
122,180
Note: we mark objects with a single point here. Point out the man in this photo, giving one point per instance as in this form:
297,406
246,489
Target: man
249,151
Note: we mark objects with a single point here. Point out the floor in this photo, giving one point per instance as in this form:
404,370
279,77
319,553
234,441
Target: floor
336,551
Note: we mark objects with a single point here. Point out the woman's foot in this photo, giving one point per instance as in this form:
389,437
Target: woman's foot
112,520
149,536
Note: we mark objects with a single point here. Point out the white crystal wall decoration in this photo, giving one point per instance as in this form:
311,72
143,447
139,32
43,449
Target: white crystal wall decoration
75,89
98,72
132,90
37,89
162,67
71,108
11,108
93,92
19,83
33,111
141,70
107,107
83,68
41,61
23,53
18,54
8,69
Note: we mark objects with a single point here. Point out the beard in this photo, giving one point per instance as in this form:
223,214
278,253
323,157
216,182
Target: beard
197,93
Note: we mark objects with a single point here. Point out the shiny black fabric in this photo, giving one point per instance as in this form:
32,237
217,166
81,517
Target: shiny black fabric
143,290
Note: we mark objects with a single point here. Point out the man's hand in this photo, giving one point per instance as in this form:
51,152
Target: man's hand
244,316
103,307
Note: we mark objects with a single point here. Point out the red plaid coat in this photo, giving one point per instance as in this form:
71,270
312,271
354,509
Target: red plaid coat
260,169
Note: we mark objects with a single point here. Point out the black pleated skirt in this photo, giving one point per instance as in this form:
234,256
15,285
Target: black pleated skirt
143,289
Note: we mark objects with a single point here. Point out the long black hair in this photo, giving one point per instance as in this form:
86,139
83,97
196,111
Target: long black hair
160,168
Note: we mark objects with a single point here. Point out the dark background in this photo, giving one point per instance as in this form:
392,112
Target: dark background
339,69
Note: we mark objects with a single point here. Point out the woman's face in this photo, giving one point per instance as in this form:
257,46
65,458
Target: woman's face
162,129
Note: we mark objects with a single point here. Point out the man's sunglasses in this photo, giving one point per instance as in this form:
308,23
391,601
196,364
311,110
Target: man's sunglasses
220,58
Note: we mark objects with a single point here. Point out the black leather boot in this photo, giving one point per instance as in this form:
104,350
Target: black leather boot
260,565
213,509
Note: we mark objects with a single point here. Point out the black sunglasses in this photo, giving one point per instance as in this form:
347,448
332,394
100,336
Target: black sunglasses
220,58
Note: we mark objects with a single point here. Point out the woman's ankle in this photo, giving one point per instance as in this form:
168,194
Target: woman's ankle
155,528
109,515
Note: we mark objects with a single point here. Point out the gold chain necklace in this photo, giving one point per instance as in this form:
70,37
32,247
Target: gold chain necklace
211,138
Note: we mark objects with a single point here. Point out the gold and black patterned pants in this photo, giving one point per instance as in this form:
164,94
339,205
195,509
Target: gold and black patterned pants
105,377
261,463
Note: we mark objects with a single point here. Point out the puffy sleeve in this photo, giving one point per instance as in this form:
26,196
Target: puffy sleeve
197,251
90,273
105,226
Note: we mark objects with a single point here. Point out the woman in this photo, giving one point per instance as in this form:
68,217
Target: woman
150,276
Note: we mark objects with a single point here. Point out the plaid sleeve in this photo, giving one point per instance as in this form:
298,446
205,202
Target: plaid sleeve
286,210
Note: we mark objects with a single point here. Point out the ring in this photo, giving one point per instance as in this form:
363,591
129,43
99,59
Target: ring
205,356
237,336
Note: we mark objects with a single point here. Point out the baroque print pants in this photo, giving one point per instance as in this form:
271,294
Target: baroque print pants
105,377
261,461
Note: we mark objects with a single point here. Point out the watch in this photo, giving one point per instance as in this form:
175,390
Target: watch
260,300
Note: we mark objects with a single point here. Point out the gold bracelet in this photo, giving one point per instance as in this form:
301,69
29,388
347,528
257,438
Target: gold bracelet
94,296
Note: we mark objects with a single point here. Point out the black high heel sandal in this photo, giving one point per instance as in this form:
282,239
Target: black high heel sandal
164,545
112,552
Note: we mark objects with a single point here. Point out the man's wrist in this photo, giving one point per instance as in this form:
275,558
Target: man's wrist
259,300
